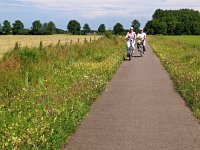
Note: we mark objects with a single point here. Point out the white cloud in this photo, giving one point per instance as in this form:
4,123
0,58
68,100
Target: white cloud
121,8
93,9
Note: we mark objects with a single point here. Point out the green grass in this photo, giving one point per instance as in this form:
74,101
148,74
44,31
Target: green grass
189,41
181,57
46,92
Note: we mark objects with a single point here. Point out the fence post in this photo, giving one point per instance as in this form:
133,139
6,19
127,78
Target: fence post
90,39
16,46
78,40
41,45
58,43
71,42
85,40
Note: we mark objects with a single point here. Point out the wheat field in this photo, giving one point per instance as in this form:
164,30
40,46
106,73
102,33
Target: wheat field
7,42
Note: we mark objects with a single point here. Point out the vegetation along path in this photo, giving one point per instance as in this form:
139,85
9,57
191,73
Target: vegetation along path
139,110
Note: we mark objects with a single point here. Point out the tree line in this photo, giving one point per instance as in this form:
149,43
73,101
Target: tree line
174,22
73,27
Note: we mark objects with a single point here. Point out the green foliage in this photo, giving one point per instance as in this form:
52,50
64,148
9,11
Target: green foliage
118,29
36,27
74,27
28,55
86,29
18,26
24,32
48,28
42,104
51,27
44,28
183,21
6,28
136,25
180,56
109,34
102,29
60,31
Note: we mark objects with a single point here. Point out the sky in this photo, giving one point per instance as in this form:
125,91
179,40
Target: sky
92,12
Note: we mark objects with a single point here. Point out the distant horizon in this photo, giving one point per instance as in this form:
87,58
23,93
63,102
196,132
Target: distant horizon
92,12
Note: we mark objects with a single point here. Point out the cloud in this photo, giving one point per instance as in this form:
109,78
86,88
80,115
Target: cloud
98,8
89,10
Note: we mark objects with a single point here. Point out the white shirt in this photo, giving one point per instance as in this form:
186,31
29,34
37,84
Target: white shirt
131,36
141,36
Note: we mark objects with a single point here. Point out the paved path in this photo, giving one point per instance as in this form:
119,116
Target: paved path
139,110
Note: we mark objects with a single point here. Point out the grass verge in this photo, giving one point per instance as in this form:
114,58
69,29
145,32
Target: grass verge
182,60
46,92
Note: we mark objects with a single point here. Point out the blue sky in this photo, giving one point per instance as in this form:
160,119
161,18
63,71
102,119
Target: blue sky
93,12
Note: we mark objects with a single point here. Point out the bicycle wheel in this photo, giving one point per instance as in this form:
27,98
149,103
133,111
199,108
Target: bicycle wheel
141,50
130,53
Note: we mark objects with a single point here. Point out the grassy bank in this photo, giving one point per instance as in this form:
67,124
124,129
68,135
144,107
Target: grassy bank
46,92
181,57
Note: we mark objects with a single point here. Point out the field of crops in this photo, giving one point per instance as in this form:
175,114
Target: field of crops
181,57
7,42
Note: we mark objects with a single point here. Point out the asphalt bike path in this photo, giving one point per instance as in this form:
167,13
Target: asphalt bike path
139,110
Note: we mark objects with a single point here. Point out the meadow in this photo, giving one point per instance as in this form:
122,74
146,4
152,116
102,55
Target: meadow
180,56
46,91
7,42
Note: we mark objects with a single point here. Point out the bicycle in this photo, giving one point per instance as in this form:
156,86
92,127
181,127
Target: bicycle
141,48
130,49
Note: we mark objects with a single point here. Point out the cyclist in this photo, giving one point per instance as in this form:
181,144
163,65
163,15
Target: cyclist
141,36
130,37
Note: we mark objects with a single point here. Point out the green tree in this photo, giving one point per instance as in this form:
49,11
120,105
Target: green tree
0,29
6,28
183,21
24,32
51,28
179,28
86,29
136,25
118,29
44,28
149,28
159,13
17,26
102,29
195,28
36,27
171,26
60,31
48,28
74,27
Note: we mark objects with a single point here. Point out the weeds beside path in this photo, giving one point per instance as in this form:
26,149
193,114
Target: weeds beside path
181,57
45,92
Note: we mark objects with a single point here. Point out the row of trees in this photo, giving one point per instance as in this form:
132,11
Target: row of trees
74,27
37,28
174,22
17,28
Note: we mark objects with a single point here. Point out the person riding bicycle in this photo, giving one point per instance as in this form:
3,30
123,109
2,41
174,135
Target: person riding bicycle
141,36
130,37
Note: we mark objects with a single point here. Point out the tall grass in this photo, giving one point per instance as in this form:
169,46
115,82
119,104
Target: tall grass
182,60
46,92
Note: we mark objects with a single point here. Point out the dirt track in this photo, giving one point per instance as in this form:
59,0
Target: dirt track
139,110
